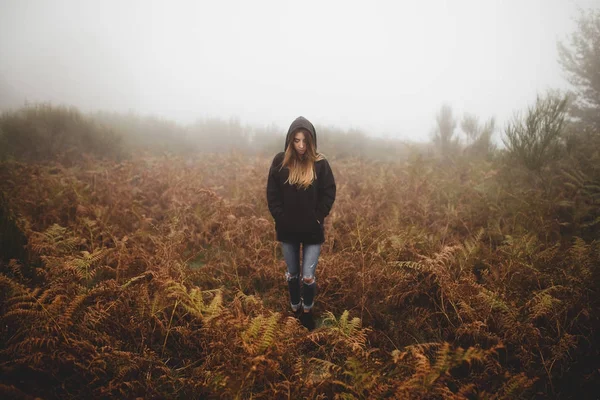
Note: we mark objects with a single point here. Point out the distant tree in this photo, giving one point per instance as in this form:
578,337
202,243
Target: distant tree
44,132
443,134
479,137
470,126
216,135
532,138
150,133
581,62
268,140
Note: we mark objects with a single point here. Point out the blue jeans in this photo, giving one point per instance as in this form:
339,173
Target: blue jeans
310,259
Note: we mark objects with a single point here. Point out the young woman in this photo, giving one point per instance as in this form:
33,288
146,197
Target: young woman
300,193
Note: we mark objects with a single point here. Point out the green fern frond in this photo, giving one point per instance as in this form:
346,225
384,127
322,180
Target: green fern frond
261,333
542,304
591,189
245,300
321,370
493,300
580,250
469,355
361,378
252,330
270,332
443,359
348,327
83,263
55,239
216,305
176,290
548,254
574,177
192,300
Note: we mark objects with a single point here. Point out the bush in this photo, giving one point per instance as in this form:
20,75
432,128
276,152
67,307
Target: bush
147,133
580,59
444,137
533,138
479,136
43,132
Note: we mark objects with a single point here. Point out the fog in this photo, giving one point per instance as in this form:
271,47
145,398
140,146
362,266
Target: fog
383,67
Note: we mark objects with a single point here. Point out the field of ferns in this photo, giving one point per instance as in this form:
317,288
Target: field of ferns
159,277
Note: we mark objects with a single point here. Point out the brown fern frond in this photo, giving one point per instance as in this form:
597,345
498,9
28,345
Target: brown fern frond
472,245
16,301
33,314
19,304
51,292
12,392
516,387
11,286
32,344
66,319
16,268
414,265
145,277
103,272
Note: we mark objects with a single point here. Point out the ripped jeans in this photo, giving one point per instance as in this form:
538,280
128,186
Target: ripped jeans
310,259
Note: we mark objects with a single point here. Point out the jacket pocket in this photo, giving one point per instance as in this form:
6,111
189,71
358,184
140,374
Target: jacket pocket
313,225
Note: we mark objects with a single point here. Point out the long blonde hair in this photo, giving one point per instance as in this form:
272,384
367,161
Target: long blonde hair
302,170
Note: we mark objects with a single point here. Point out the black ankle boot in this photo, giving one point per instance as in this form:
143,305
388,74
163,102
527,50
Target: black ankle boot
307,320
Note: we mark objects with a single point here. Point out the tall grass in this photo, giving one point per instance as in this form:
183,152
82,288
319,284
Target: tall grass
440,278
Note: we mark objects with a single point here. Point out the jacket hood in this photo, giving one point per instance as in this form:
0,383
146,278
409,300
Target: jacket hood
300,123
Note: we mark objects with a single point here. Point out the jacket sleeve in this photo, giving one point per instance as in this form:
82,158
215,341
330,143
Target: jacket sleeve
274,194
327,190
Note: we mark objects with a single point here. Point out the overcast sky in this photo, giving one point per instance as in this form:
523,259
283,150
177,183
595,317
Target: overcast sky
382,66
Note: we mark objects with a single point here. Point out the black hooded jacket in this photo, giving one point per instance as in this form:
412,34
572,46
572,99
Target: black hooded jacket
299,213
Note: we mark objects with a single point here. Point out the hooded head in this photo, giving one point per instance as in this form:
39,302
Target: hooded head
301,168
300,123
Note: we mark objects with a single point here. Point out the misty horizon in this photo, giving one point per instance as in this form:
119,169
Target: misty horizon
382,68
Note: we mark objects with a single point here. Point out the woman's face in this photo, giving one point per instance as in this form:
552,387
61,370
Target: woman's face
300,143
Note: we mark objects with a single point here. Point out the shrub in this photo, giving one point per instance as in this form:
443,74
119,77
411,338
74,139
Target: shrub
43,132
532,138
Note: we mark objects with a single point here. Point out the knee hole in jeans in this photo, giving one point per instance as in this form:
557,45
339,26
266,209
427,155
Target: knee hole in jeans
309,280
289,277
